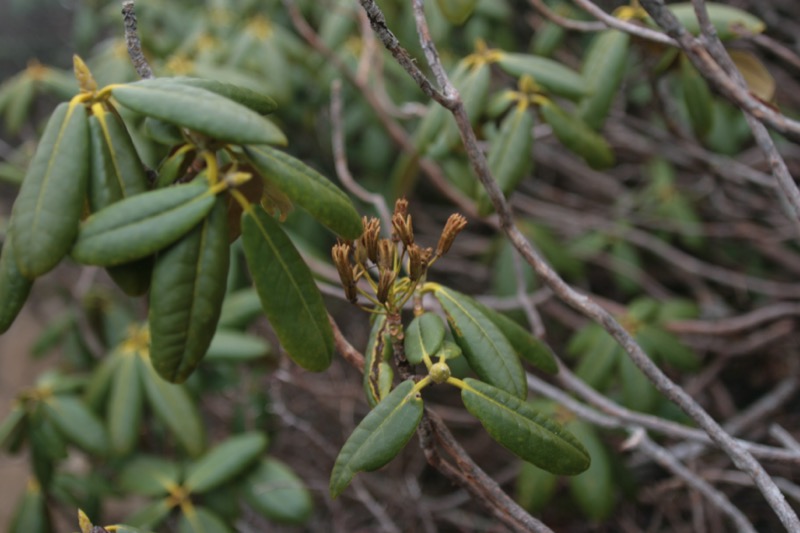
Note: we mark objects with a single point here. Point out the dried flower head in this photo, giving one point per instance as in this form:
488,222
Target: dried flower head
403,229
401,207
341,258
451,229
385,284
418,260
386,254
369,239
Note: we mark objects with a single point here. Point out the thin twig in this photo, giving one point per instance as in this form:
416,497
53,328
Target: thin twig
133,43
567,23
614,416
717,498
340,160
623,25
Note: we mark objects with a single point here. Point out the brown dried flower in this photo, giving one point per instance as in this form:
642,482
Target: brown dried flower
451,229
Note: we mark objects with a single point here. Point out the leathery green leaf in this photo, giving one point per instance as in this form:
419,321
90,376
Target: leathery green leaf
307,188
232,346
456,11
200,520
141,225
378,348
31,515
99,384
510,157
486,348
224,462
697,97
534,350
77,423
260,103
551,75
576,135
199,110
666,346
45,217
172,404
523,430
599,359
423,337
379,437
116,170
149,476
14,287
603,68
125,405
11,425
724,18
535,487
637,390
593,490
275,491
188,286
289,296
149,516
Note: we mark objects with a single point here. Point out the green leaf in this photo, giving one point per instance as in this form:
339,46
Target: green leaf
697,97
486,348
240,308
151,515
173,405
529,434
378,350
200,520
199,110
534,350
637,391
11,426
141,225
100,382
598,362
423,337
535,487
724,18
187,289
235,346
77,423
116,170
14,287
577,136
44,220
603,69
668,347
275,491
379,437
125,404
225,462
594,490
31,514
260,103
551,75
288,294
149,476
307,188
456,11
509,156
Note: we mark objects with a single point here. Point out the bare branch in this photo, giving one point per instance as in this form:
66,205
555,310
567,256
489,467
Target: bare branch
340,160
133,43
717,498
